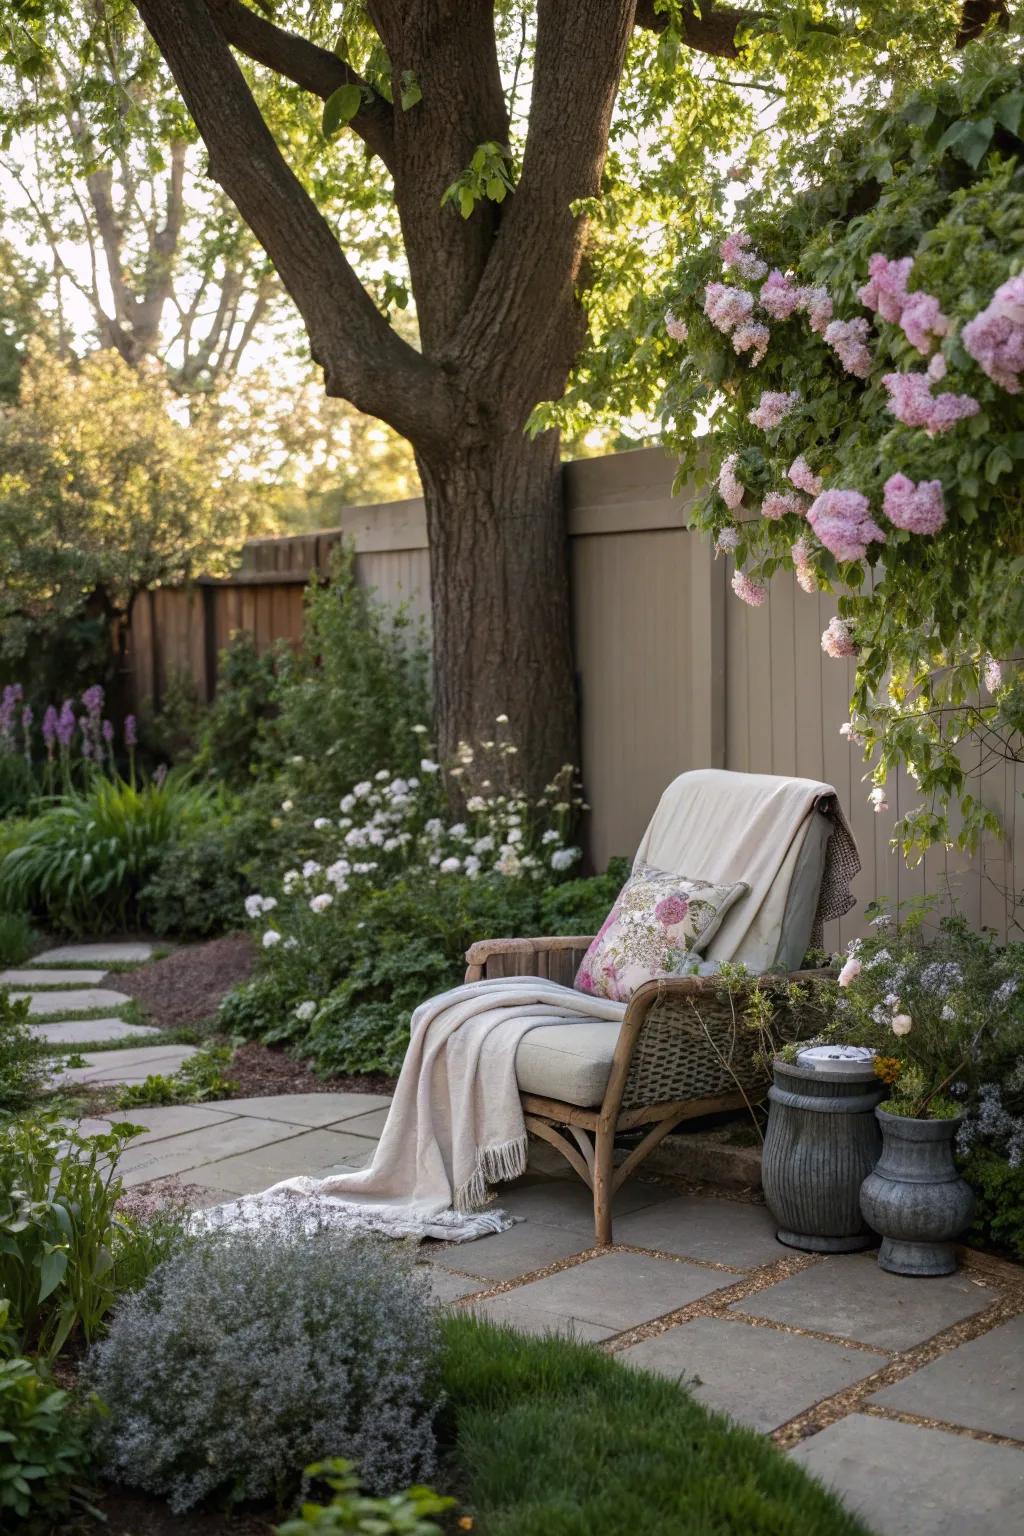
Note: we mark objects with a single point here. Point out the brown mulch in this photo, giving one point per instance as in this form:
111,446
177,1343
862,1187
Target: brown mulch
128,1514
186,986
261,1070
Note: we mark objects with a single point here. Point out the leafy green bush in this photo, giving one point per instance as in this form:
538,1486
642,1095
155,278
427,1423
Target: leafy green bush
59,1233
249,1355
199,887
18,784
83,862
999,1214
246,698
16,936
43,1434
198,1079
396,1514
581,906
22,1065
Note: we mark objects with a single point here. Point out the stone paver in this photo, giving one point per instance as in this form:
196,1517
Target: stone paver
128,1066
311,1109
522,1248
568,1205
759,1376
117,952
614,1291
368,1124
90,1031
722,1231
196,1151
445,1288
980,1384
74,1000
904,1480
37,977
317,1153
851,1297
164,1121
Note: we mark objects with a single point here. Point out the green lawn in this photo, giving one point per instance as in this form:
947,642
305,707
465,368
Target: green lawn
551,1438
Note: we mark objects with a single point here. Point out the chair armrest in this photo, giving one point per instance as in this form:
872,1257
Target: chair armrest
548,956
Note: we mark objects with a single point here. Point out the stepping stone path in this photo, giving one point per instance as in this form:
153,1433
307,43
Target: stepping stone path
114,953
91,1031
52,1005
66,980
36,976
129,1066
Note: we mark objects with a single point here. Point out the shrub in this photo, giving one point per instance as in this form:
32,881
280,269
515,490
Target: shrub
198,1079
43,1434
230,731
18,785
999,1214
22,1064
16,937
199,887
249,1355
581,906
59,1234
83,863
397,1514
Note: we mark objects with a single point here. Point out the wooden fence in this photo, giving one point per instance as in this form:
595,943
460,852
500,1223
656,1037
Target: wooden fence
674,672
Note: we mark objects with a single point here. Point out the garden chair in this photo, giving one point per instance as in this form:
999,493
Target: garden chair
680,1051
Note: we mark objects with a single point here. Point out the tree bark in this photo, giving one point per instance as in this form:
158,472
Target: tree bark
499,575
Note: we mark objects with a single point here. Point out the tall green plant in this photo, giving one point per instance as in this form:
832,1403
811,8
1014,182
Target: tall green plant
22,1066
83,862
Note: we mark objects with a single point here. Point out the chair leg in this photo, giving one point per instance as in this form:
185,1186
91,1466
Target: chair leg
604,1149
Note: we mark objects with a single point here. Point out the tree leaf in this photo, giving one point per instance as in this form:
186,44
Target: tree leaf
1007,110
340,108
411,92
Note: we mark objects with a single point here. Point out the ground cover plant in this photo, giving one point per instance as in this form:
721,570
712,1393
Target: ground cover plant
857,341
248,1355
22,1066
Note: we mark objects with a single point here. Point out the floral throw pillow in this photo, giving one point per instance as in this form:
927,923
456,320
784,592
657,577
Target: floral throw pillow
659,924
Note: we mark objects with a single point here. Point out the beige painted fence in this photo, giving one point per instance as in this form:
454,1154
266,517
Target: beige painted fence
674,672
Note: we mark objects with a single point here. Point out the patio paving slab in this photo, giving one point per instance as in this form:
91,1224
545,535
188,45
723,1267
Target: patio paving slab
614,1291
723,1231
311,1109
128,1066
370,1123
75,1000
165,1121
37,977
520,1249
851,1297
115,953
980,1384
205,1146
90,1031
567,1204
316,1153
759,1376
445,1287
903,1480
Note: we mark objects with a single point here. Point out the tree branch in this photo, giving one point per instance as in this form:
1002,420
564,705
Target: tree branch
363,358
306,64
713,31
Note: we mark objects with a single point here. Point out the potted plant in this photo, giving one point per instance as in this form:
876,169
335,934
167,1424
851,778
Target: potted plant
940,1008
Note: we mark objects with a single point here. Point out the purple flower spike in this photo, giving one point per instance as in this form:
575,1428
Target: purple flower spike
131,734
92,698
50,727
66,724
27,717
108,732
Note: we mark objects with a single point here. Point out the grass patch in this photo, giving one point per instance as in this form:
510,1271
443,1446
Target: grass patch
552,1438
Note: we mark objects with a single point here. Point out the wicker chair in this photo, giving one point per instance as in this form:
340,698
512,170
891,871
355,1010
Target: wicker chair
679,1053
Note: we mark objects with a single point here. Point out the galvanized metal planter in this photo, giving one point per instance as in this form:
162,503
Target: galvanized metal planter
822,1140
915,1197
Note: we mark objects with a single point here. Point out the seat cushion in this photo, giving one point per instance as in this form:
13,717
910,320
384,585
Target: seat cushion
571,1062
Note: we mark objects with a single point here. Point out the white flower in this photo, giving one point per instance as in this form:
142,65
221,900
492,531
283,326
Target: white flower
508,862
347,803
287,805
390,844
290,880
514,835
472,866
434,827
458,831
551,836
356,838
451,866
253,906
298,758
338,870
363,869
383,775
270,938
877,800
310,868
419,730
306,1010
321,903
362,790
564,858
475,804
291,943
426,766
501,719
484,844
399,786
850,971
375,836
344,822
321,823
902,1024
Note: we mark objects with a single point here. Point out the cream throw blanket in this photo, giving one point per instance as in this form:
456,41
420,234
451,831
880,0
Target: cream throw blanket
456,1124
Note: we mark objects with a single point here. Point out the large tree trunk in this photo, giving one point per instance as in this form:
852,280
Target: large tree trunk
499,578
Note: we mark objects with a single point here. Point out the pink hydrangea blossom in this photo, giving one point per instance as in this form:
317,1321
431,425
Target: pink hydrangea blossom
779,295
886,289
923,322
727,307
736,253
748,590
837,640
803,477
842,521
773,407
917,508
995,337
801,553
911,401
848,339
936,369
817,305
752,338
729,487
676,328
992,671
777,503
727,540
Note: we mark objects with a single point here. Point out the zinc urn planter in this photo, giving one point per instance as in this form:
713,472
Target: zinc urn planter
915,1197
822,1140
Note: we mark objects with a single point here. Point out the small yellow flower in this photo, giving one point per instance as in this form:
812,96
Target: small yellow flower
466,1523
888,1068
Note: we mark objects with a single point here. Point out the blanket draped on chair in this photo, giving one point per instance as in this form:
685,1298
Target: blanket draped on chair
456,1123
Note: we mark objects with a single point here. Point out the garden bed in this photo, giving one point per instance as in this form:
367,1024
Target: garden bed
185,987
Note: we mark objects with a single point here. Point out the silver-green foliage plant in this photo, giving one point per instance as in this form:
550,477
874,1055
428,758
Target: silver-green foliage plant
252,1354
